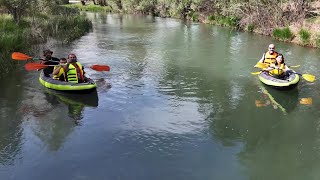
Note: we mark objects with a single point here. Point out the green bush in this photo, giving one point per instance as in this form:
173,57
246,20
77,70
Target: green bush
67,28
211,18
318,41
195,16
12,36
250,27
282,34
304,36
89,7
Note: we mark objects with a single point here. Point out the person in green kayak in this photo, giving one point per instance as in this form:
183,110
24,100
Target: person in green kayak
49,60
268,57
74,70
278,69
58,71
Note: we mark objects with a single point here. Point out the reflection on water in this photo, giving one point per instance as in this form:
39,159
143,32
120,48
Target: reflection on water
11,132
306,101
53,114
75,102
285,101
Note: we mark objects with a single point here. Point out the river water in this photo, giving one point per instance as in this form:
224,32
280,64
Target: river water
179,103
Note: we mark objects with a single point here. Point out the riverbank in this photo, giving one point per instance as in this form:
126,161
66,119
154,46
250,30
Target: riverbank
290,21
20,34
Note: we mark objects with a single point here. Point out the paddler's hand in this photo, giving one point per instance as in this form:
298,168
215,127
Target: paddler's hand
42,61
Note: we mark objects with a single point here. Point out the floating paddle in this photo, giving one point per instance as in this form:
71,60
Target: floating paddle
37,66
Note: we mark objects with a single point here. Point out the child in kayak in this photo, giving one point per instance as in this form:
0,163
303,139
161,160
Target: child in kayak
278,69
58,71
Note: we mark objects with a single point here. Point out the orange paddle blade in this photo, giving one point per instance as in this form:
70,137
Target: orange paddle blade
20,56
100,67
34,66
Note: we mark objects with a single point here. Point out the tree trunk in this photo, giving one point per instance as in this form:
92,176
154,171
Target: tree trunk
119,4
102,3
16,15
65,1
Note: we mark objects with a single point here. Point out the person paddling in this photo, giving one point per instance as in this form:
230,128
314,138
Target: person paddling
49,60
268,57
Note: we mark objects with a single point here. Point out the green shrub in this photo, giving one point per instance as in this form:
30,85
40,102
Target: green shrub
232,21
282,34
318,41
250,27
68,28
195,16
304,36
90,7
211,18
12,36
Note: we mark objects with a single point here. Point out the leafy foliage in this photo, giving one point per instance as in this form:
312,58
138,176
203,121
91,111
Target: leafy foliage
304,36
283,34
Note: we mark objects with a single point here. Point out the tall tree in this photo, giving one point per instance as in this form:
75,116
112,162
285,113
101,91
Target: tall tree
16,8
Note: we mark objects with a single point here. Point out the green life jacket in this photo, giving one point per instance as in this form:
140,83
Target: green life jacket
74,76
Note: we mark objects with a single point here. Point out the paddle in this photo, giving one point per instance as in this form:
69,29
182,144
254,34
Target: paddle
307,77
264,65
256,73
37,66
22,57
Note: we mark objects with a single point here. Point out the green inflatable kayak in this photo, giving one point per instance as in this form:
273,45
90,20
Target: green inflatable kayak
66,86
287,82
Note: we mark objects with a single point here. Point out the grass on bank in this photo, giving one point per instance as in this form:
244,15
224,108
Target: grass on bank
284,34
12,36
304,36
36,30
89,7
229,21
15,37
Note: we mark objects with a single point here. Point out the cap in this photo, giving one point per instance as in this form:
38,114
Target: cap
47,51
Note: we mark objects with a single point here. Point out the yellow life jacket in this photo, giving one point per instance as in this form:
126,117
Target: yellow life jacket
72,74
61,73
268,58
279,71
